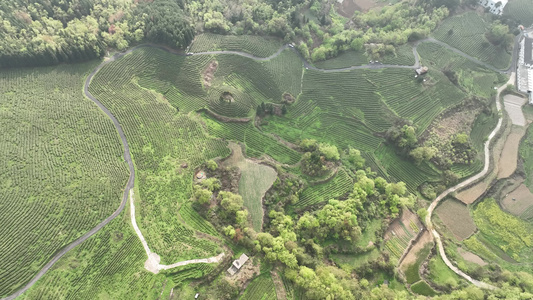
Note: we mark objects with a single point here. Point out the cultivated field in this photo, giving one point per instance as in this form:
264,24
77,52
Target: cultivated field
339,185
456,216
466,32
161,139
256,45
255,180
61,170
519,202
507,232
471,257
400,233
509,157
262,287
108,265
520,10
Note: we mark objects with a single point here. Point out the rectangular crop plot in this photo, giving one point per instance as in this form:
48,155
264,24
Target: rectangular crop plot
456,216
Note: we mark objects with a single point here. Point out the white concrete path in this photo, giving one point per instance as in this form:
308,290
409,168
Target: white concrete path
459,186
152,263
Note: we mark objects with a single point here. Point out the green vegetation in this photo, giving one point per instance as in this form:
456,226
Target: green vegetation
256,45
440,274
509,233
466,32
411,273
161,139
422,288
521,11
526,153
62,167
261,287
108,265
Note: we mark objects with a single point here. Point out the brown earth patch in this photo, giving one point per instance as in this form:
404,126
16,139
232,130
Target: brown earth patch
509,156
456,217
471,257
247,272
470,195
410,257
518,201
209,73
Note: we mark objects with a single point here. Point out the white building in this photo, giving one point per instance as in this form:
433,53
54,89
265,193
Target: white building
494,6
524,69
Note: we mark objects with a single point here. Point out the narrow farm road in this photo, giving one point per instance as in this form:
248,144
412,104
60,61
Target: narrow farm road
465,183
152,263
307,65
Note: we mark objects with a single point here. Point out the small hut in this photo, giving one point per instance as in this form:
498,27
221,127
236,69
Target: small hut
421,71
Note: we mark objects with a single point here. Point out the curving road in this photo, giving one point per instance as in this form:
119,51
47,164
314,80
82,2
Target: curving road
307,65
463,184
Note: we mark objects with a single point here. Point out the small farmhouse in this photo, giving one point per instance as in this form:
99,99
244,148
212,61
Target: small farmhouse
494,6
237,264
421,71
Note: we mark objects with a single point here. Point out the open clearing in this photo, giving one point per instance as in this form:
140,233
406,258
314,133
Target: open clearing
509,156
347,8
518,201
513,106
471,257
456,216
255,180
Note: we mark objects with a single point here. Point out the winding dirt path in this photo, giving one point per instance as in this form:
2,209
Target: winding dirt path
307,65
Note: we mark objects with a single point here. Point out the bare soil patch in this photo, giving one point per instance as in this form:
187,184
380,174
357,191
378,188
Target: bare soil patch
209,73
246,273
410,257
509,156
471,257
456,217
288,98
513,106
518,201
278,284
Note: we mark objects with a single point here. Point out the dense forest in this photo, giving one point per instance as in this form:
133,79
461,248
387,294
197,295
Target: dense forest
43,32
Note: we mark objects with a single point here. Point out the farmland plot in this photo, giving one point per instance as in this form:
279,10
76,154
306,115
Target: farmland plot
256,45
400,233
521,11
262,287
466,32
161,140
62,170
456,216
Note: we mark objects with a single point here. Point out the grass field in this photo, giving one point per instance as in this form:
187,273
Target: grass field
262,287
456,216
526,154
520,10
255,180
61,171
507,232
468,35
411,270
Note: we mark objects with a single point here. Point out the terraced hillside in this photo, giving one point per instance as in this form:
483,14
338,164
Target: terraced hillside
466,32
61,169
162,139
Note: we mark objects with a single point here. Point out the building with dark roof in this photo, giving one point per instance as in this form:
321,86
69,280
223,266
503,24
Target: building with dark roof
528,52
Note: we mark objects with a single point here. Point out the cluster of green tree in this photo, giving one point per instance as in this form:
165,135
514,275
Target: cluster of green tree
264,109
285,190
319,158
45,32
